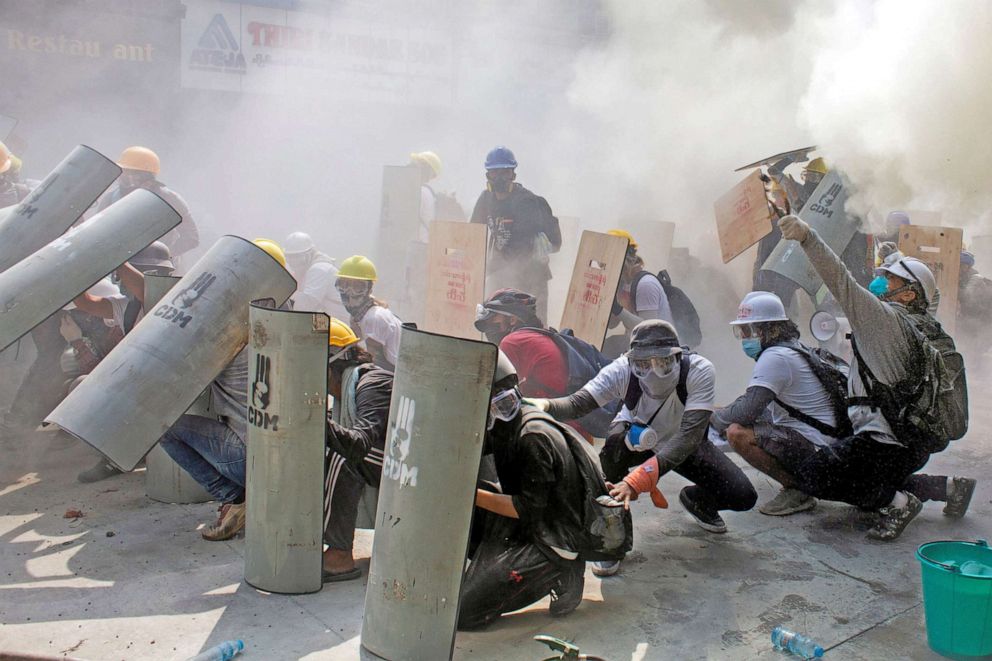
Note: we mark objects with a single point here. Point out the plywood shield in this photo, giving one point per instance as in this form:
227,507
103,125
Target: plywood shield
742,216
456,278
165,480
55,204
595,278
824,211
399,219
138,391
36,287
287,405
940,249
437,424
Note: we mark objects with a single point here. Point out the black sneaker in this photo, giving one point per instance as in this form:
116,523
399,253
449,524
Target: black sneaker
893,520
959,493
567,593
709,521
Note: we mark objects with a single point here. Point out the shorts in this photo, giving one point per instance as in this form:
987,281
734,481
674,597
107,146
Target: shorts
787,445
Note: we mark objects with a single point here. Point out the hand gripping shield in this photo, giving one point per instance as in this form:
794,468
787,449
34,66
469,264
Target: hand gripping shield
159,368
36,287
287,410
52,207
437,424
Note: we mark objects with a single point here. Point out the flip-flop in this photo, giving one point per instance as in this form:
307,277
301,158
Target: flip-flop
336,577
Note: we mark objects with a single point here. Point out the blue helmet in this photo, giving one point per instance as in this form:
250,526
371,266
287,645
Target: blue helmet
500,158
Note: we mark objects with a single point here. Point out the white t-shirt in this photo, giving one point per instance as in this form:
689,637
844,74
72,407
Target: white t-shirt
651,297
788,375
118,302
381,325
612,381
316,292
428,213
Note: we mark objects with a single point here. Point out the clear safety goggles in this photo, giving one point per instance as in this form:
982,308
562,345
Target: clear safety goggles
660,365
504,406
351,286
745,331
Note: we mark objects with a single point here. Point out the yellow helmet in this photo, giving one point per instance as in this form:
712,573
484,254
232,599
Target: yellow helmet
5,158
626,235
139,158
341,335
430,158
817,165
273,250
358,267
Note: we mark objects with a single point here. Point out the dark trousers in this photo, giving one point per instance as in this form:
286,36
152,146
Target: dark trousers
866,473
342,493
718,484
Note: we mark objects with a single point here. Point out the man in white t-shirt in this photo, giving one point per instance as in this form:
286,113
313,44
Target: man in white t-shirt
315,273
371,320
668,399
786,415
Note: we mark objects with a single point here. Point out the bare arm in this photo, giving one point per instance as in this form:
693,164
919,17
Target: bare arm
497,503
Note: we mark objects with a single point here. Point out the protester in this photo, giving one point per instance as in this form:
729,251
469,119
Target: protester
903,367
371,320
315,273
523,231
974,315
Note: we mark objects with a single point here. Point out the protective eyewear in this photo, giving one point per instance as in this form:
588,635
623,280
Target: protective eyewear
504,406
351,287
660,365
745,331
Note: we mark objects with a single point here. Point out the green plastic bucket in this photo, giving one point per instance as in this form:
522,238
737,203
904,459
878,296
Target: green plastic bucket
957,601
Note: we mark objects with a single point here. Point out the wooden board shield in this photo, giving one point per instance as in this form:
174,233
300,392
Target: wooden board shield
742,216
595,278
456,278
798,156
940,249
398,220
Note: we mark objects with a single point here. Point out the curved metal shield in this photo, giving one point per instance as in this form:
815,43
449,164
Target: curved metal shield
287,409
165,480
160,367
51,208
36,287
437,424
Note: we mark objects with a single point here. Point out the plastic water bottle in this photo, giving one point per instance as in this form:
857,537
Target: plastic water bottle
223,652
798,644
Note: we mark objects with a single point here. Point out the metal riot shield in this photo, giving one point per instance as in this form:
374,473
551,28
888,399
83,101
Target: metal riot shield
52,207
287,409
593,287
437,424
150,378
824,211
165,480
398,222
36,287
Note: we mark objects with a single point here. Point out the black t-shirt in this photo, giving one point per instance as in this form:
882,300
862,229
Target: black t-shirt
362,445
515,221
536,467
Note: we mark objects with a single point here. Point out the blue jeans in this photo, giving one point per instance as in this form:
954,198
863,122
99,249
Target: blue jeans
211,453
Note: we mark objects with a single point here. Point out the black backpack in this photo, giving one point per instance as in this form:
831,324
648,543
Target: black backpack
930,406
607,527
684,315
831,371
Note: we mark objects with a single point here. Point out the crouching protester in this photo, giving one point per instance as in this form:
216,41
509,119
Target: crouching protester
667,396
356,439
795,404
532,533
907,394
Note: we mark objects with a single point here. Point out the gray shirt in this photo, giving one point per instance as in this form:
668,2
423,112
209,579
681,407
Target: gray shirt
229,394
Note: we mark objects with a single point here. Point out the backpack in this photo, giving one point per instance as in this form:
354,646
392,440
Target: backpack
684,315
584,362
930,406
607,527
831,371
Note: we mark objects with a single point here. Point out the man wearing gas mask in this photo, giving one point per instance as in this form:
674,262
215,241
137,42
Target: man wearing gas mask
522,231
371,320
668,397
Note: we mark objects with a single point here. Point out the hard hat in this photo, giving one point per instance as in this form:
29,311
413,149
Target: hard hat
653,337
759,307
139,158
156,255
967,258
817,165
5,160
298,243
358,267
506,374
273,249
626,235
430,158
500,158
911,269
341,335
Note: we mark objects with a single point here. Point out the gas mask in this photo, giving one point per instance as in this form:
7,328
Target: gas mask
500,181
355,295
504,407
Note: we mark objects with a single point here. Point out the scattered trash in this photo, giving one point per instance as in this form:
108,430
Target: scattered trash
569,651
110,533
797,644
223,652
73,514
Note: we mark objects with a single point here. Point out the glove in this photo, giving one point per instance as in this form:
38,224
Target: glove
644,479
70,329
793,228
539,403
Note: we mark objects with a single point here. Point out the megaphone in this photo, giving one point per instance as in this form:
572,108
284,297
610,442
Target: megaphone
823,326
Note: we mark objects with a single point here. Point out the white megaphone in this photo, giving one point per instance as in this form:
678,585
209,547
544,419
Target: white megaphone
823,326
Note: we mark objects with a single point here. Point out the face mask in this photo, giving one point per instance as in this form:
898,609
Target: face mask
879,286
752,347
499,184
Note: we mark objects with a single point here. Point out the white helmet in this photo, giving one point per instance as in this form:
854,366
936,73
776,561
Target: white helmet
911,269
298,243
758,307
